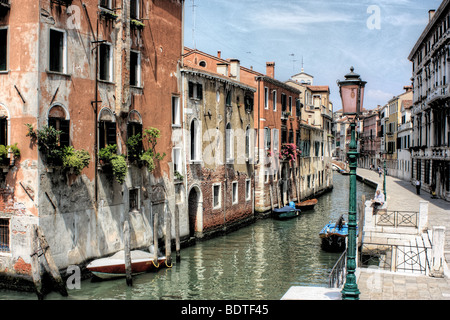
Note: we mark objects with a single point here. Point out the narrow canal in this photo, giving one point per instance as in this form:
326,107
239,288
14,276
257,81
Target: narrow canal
258,262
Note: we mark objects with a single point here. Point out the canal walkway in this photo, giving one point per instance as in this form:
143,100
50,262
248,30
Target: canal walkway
379,285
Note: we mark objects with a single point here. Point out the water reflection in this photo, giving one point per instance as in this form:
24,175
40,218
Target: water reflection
259,262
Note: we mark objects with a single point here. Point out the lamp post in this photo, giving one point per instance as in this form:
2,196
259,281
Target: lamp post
384,178
352,93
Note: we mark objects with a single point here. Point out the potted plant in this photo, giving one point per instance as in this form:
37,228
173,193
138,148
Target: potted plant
109,158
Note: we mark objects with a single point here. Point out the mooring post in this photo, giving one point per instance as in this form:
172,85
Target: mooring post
177,233
271,196
35,266
168,235
126,240
155,238
52,268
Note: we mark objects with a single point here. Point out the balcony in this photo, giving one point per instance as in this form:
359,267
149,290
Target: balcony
440,93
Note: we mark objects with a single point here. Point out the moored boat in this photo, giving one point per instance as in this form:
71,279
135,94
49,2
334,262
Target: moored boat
306,205
333,235
114,266
286,212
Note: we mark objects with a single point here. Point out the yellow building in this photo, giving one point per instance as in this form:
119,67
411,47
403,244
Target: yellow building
393,119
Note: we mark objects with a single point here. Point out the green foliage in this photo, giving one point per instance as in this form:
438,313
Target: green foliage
76,160
136,152
106,154
48,143
119,167
117,162
134,147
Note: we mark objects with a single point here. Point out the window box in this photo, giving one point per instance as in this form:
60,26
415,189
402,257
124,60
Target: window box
108,14
137,24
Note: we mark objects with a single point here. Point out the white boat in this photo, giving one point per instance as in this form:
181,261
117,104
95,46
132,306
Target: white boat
114,266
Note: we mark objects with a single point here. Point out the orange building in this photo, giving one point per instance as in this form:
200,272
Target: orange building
99,72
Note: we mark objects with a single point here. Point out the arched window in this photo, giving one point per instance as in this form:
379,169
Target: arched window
106,128
134,128
4,117
58,118
195,154
247,142
229,142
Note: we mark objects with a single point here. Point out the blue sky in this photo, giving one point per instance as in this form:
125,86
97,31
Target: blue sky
330,36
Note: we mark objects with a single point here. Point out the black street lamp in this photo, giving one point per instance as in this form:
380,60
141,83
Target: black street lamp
352,94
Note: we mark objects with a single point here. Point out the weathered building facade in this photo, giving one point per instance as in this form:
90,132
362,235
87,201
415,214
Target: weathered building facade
431,109
101,73
219,140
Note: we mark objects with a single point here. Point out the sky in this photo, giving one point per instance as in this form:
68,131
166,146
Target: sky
329,36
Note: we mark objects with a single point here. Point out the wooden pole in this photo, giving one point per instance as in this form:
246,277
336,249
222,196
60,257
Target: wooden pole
35,267
177,233
168,236
52,268
271,196
126,240
155,237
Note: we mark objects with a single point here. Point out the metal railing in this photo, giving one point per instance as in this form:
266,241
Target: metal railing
406,258
336,278
398,219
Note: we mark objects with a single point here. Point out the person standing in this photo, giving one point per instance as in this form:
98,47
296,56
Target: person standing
418,186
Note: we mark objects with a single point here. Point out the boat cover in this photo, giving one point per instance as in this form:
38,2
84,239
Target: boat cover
286,209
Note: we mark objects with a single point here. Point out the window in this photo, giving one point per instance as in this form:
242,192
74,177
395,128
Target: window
133,199
228,99
135,68
267,142
235,192
283,102
177,168
248,101
229,142
176,121
57,52
297,108
216,196
274,100
105,71
106,4
247,142
134,9
248,189
290,104
4,235
266,98
276,139
194,140
134,127
106,128
60,124
202,64
3,49
3,131
195,90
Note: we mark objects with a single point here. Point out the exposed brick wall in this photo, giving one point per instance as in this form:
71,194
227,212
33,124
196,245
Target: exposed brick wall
228,213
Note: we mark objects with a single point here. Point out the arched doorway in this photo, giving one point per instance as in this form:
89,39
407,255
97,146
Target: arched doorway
195,211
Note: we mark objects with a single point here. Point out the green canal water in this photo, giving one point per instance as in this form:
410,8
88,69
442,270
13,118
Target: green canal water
258,262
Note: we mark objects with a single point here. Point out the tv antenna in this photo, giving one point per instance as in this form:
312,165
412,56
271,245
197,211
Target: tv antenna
293,61
193,24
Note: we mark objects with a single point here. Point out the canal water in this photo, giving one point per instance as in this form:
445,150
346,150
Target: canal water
258,262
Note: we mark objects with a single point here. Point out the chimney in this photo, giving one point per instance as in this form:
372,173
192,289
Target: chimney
431,14
219,54
235,69
270,69
408,88
222,69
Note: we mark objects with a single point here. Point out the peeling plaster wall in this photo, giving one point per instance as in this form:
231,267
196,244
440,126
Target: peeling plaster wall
77,228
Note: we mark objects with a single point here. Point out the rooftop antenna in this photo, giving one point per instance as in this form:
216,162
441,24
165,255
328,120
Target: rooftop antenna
293,61
193,25
303,70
